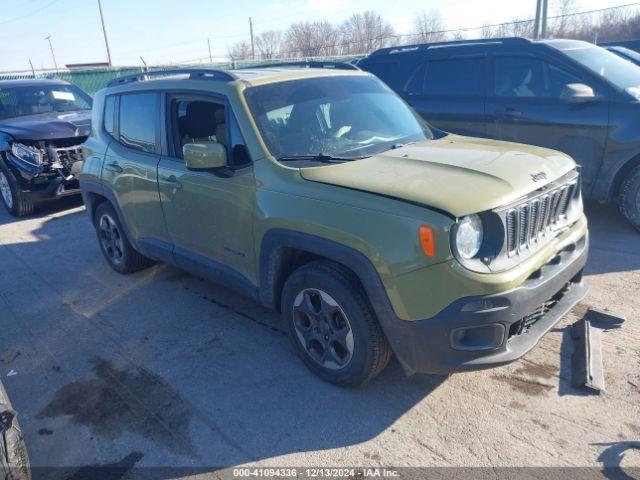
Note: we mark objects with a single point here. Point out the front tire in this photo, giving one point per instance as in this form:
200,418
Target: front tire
116,248
629,200
332,326
15,201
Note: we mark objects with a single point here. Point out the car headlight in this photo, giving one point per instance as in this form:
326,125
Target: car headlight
469,235
26,154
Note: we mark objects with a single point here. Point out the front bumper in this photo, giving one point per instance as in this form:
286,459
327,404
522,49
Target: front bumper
486,331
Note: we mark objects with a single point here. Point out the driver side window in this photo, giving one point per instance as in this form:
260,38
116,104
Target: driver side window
527,77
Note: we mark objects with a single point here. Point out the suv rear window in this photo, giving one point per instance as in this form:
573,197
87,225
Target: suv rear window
138,117
461,77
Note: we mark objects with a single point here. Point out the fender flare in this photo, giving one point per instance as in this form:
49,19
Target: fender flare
88,187
270,260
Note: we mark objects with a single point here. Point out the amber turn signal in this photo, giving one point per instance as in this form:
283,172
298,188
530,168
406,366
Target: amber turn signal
427,240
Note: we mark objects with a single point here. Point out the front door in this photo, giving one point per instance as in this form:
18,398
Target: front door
209,214
527,105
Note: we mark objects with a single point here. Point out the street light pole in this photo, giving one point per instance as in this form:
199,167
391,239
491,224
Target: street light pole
55,64
104,31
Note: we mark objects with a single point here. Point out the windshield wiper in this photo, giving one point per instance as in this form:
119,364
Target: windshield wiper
321,157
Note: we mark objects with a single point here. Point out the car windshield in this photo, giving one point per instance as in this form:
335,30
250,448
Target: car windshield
622,73
345,117
625,52
19,101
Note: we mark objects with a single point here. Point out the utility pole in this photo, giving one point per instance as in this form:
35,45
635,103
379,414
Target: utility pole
540,24
33,72
55,64
543,27
253,50
104,31
536,24
210,56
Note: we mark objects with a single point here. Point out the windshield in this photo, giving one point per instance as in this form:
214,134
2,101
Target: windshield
344,116
18,101
622,73
635,56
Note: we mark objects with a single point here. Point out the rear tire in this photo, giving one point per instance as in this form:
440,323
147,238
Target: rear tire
332,326
15,201
16,450
629,199
116,248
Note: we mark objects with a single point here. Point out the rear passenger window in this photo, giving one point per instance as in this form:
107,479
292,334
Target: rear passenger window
461,77
138,117
109,114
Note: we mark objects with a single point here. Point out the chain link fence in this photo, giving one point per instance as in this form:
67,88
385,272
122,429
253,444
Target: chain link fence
93,79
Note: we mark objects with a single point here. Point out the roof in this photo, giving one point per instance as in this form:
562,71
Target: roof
220,78
32,82
259,76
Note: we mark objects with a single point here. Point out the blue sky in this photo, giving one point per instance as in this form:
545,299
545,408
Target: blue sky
171,31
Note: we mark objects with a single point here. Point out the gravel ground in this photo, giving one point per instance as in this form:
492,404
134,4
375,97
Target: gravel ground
161,368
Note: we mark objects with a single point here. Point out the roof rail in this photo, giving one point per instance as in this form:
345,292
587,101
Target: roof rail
194,74
424,46
337,65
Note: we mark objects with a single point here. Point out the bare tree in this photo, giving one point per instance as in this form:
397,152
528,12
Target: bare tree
429,26
517,28
311,39
486,31
566,21
365,32
240,51
269,44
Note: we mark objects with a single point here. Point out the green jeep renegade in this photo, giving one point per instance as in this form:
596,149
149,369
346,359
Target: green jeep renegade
322,195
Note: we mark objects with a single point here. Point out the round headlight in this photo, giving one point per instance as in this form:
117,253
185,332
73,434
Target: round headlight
469,236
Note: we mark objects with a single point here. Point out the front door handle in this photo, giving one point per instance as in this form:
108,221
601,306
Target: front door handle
171,181
512,112
113,167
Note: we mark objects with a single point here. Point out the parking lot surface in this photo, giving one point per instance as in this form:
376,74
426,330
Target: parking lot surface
162,368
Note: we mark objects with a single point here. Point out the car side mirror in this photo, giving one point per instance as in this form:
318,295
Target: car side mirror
204,155
577,93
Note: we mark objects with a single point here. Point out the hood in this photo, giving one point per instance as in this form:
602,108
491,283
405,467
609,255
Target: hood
48,126
459,175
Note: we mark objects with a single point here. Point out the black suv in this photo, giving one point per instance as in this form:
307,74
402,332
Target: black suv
43,124
563,94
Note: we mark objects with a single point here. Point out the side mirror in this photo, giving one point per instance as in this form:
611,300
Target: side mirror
577,93
204,155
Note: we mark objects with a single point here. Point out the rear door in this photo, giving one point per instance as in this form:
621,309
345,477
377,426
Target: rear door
450,93
526,106
131,161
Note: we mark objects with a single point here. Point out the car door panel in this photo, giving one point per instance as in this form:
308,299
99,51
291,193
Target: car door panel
545,119
209,215
440,95
131,174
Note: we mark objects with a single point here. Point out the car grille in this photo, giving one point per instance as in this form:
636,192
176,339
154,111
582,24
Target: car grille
66,155
523,325
531,220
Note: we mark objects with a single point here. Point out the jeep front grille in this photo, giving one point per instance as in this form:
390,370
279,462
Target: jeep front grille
531,220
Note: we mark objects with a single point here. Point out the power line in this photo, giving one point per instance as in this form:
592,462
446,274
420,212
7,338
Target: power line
30,14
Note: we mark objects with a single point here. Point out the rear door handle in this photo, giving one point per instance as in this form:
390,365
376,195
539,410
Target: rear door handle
171,181
113,167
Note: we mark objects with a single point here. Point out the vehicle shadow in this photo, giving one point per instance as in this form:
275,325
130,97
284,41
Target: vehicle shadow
611,458
614,245
43,209
165,368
